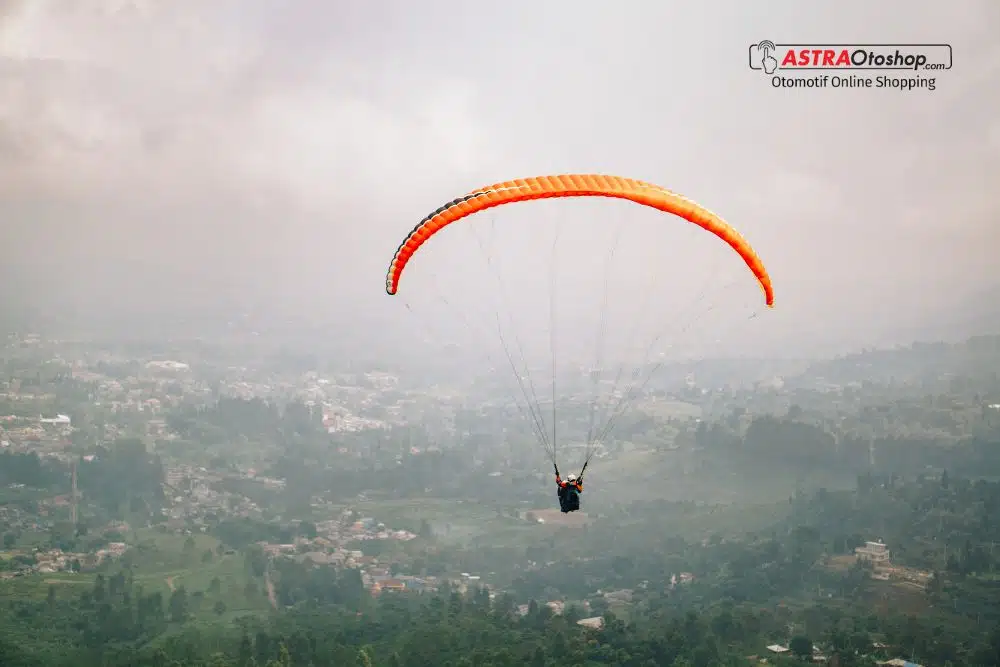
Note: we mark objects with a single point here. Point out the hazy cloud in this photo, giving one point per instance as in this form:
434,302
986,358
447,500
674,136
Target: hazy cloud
228,156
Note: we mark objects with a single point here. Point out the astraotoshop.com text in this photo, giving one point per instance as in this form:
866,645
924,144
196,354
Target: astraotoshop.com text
854,81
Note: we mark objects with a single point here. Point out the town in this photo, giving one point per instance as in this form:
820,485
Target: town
168,468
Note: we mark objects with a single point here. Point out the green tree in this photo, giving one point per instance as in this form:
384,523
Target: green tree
219,660
573,613
100,590
308,529
256,560
801,646
245,652
179,605
284,658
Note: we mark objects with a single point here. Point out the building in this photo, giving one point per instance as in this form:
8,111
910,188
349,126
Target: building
167,365
392,585
875,553
58,420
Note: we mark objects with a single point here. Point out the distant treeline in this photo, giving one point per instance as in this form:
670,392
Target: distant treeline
772,441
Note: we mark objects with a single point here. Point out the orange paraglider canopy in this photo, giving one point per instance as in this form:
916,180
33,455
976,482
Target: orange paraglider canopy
575,185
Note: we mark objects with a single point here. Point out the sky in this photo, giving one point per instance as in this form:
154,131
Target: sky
211,160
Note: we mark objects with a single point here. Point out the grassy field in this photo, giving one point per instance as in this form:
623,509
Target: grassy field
162,562
678,475
450,519
665,409
472,523
28,540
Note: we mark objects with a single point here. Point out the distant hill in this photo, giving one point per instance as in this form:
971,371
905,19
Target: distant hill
978,313
977,357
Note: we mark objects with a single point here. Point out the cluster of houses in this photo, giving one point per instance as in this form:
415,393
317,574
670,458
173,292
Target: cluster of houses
56,560
329,547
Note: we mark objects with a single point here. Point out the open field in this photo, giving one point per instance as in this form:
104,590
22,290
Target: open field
162,562
479,524
554,517
841,563
666,408
899,597
682,475
450,519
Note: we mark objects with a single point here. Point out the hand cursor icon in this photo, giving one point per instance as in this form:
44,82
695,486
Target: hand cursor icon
767,61
770,64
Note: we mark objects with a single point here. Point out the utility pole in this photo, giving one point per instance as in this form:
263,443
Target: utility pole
73,499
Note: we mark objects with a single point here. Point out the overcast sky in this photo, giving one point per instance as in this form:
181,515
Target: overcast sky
241,155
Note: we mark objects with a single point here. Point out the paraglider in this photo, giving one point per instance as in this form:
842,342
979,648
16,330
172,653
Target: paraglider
562,186
569,492
574,185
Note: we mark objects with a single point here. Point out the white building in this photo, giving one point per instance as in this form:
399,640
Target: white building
875,553
61,420
167,365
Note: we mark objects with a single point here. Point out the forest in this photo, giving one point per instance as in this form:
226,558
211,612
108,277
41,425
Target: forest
776,584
